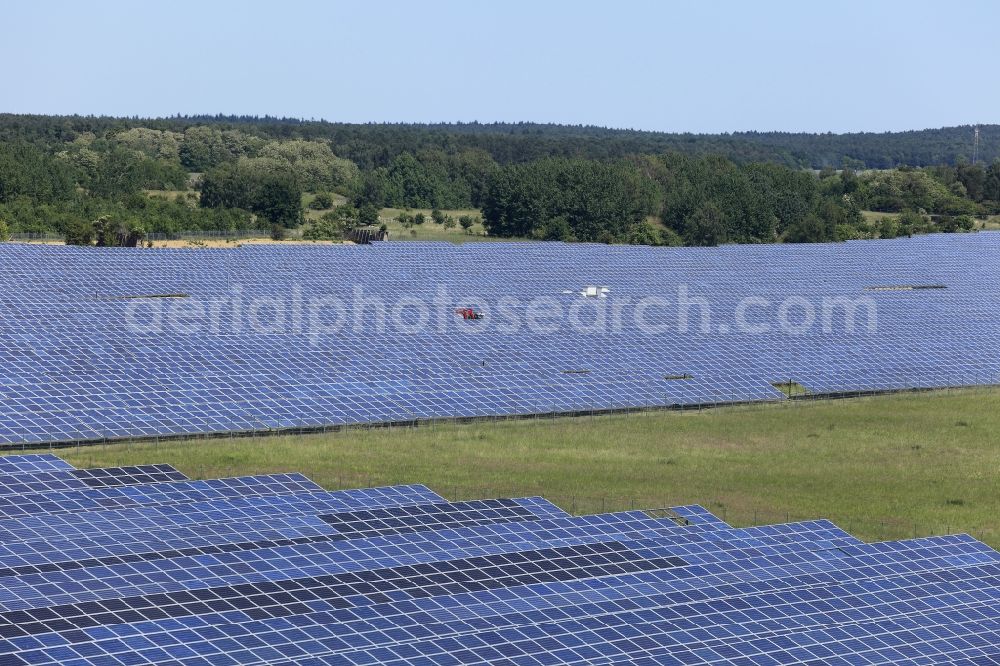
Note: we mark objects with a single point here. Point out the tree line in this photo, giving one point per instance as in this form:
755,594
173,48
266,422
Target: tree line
375,145
678,199
568,183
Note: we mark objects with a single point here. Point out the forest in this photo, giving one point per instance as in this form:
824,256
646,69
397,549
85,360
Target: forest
376,145
122,178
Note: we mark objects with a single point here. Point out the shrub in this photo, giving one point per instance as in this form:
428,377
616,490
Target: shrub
670,238
4,231
913,222
368,215
118,233
846,232
437,216
278,232
555,229
321,201
332,225
467,221
887,227
79,232
347,214
810,229
646,234
947,223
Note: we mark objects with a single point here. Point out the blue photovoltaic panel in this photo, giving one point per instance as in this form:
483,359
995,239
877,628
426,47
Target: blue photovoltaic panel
23,483
391,517
83,357
39,462
400,576
197,513
157,494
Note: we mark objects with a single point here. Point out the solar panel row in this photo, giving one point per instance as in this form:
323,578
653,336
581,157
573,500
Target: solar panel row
40,462
26,482
400,576
76,365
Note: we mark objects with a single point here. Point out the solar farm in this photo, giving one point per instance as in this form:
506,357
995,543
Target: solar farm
110,344
140,565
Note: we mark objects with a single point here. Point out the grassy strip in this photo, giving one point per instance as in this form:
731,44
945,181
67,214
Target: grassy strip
883,467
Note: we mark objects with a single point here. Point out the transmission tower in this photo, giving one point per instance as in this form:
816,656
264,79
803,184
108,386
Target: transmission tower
975,146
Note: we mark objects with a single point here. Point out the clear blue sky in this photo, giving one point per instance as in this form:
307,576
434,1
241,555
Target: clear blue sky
696,66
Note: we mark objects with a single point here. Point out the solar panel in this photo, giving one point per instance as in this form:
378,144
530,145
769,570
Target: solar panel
36,462
197,513
277,531
155,494
23,483
73,370
196,573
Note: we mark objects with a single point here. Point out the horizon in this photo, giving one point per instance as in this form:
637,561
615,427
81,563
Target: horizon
720,69
454,123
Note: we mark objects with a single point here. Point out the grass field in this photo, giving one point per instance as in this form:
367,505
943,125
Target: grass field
191,196
428,231
882,467
871,216
989,224
310,214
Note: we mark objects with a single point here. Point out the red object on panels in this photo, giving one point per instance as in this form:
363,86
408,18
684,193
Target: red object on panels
468,313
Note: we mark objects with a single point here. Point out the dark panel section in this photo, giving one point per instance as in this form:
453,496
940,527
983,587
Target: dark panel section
349,524
289,597
444,515
128,476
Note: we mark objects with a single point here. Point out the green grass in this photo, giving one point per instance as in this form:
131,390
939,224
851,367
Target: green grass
429,231
310,214
989,224
168,193
872,216
882,467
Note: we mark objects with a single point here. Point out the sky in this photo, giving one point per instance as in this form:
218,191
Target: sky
696,66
